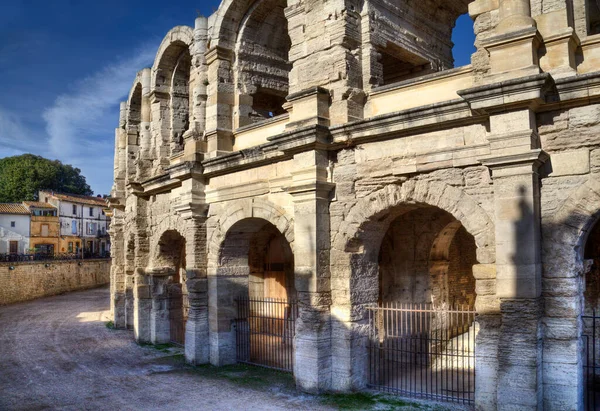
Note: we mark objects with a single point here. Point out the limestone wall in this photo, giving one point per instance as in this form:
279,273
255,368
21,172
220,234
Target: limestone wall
27,281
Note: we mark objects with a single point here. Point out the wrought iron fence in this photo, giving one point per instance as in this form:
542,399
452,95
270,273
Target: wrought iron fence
418,351
591,360
16,258
265,330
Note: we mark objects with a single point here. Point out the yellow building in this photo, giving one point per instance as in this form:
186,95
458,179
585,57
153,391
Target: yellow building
45,227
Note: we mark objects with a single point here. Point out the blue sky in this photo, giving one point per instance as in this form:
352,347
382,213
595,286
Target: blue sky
66,65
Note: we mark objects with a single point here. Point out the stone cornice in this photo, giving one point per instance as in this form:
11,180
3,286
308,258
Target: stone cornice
279,147
524,92
439,115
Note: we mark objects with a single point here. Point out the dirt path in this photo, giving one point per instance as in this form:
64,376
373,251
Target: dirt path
57,353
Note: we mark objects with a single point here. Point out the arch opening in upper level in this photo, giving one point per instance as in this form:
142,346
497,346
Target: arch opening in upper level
262,64
412,39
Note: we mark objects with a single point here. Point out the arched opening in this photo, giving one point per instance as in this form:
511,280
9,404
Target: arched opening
171,258
173,86
591,319
262,63
134,113
411,40
256,266
423,331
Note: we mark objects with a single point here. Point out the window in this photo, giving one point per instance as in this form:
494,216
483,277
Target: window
13,247
74,209
13,223
74,227
91,211
90,228
44,230
70,246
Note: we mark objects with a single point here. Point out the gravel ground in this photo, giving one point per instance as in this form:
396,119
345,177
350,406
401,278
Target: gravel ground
57,353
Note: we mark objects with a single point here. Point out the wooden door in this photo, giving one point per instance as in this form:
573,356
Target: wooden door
13,247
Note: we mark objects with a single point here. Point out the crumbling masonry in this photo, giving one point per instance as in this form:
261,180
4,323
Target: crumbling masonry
335,141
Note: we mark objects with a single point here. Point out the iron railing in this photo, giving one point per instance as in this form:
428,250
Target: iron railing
265,330
16,258
418,351
591,360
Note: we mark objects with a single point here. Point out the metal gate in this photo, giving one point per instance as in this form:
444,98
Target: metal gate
265,331
178,311
591,360
418,351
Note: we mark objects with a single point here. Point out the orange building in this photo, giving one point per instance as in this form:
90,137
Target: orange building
45,227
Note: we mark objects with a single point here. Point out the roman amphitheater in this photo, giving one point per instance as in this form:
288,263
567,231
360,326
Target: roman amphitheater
312,186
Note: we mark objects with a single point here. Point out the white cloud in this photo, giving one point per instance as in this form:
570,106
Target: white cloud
79,123
15,136
79,126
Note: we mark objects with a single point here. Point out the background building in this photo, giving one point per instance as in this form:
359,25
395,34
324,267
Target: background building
15,220
45,228
83,222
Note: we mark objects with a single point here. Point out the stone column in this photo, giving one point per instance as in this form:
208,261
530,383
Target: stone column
145,158
117,274
513,48
310,189
196,331
194,136
142,305
514,162
160,324
219,109
514,15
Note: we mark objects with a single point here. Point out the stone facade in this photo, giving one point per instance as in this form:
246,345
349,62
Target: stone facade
341,131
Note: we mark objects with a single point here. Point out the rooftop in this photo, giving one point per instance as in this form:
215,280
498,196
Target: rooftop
79,199
13,208
38,204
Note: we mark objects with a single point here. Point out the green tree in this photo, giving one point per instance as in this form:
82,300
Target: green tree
22,176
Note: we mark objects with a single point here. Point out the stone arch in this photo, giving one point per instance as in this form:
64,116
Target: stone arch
230,267
396,56
355,270
261,62
170,82
226,25
571,224
375,210
168,252
564,237
243,209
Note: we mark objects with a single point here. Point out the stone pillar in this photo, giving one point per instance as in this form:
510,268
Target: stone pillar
129,304
560,40
310,189
160,324
145,158
196,331
515,15
117,273
142,305
331,59
514,162
219,106
513,49
194,136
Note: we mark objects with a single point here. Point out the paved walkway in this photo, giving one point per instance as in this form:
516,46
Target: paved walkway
56,353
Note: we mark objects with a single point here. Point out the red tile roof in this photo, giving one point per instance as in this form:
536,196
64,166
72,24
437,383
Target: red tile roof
38,204
13,208
73,198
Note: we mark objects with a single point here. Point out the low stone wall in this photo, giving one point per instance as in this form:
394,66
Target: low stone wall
27,281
